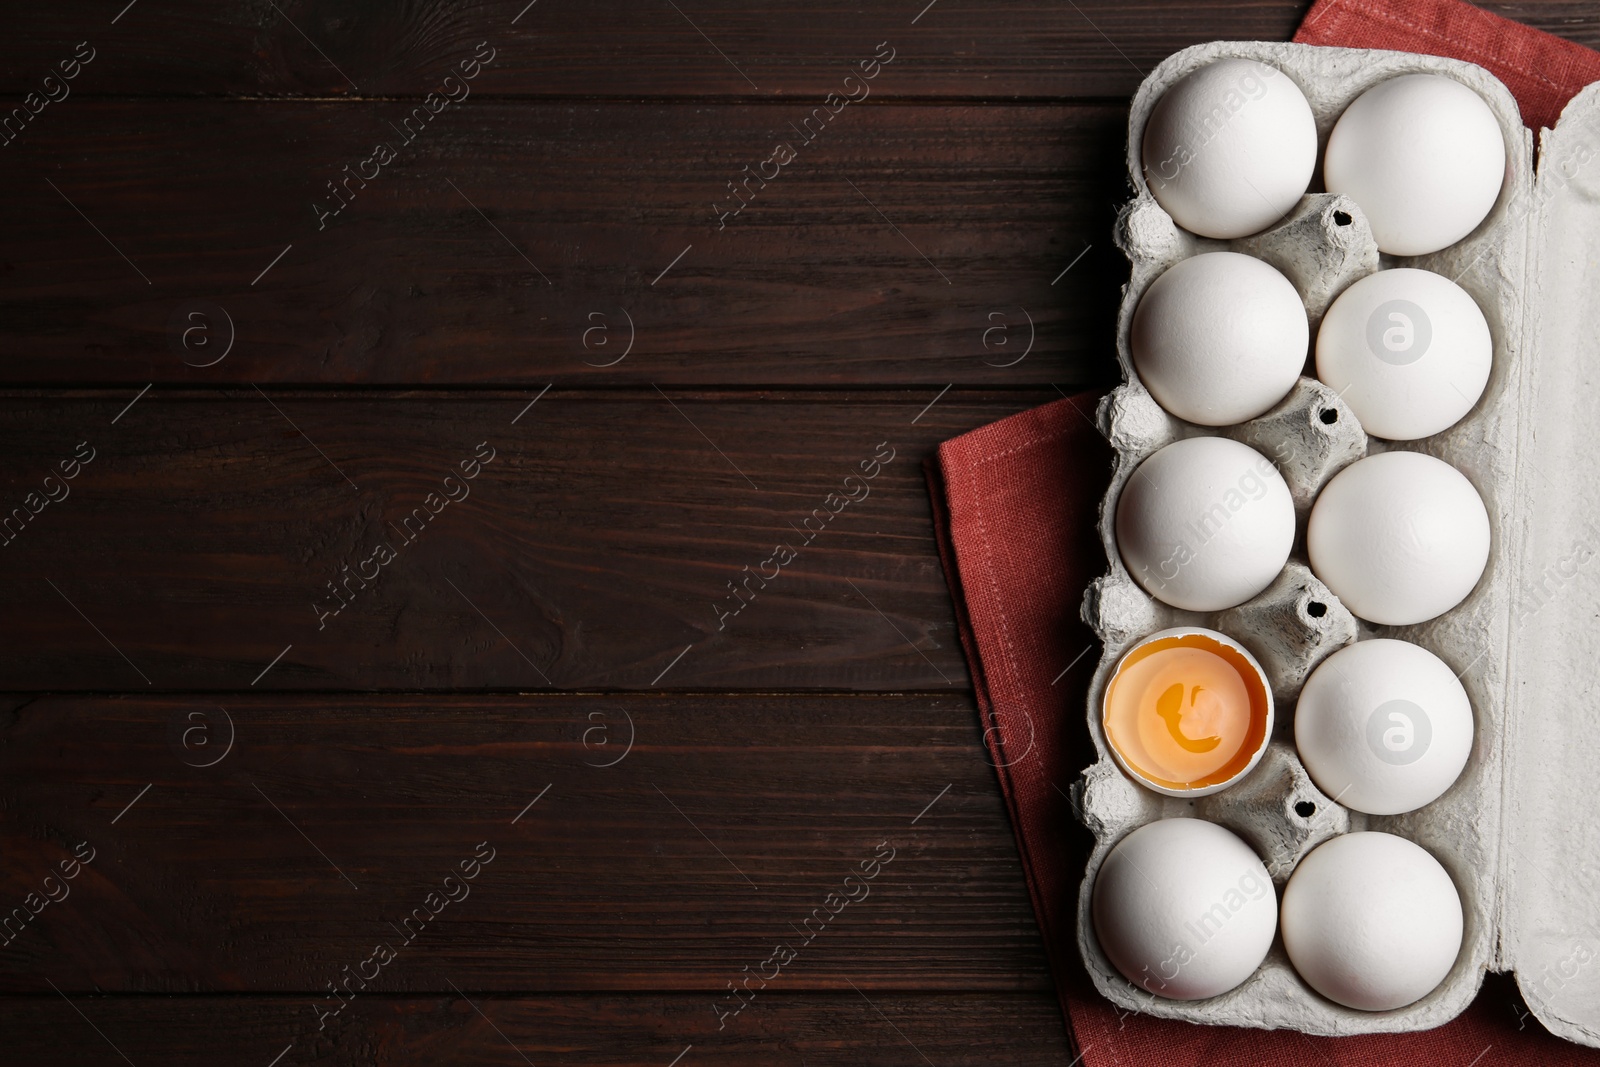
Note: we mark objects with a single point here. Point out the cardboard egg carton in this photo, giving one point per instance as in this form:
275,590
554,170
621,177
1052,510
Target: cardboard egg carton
1519,831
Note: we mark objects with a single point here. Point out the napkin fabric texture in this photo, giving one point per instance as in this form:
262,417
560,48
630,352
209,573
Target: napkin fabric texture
1016,505
1542,71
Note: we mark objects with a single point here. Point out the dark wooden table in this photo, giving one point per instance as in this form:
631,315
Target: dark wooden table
401,407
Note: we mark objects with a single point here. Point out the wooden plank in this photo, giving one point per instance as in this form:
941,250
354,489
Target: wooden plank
641,1030
523,243
671,863
611,48
945,48
595,550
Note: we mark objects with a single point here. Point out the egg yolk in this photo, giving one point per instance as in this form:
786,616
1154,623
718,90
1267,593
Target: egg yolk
1185,712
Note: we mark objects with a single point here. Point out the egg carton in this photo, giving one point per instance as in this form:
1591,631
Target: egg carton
1519,831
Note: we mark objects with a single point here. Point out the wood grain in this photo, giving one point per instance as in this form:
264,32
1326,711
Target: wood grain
672,863
270,787
517,243
893,1029
609,48
594,551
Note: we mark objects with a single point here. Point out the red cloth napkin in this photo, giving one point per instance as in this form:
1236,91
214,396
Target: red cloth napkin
1542,71
1015,506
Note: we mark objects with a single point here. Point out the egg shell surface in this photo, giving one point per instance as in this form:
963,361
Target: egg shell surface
1371,921
1423,156
1184,909
1383,725
1205,523
1230,148
1400,537
1219,338
1409,350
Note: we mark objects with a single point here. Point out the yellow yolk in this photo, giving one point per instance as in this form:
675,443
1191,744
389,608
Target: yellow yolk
1185,711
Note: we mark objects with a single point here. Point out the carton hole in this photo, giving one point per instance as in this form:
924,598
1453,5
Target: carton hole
1305,809
1316,609
1329,416
1342,218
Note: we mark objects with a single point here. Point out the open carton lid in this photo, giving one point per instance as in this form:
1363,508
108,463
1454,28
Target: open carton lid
1550,862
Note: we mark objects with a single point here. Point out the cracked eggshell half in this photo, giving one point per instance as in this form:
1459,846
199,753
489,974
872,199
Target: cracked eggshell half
1188,712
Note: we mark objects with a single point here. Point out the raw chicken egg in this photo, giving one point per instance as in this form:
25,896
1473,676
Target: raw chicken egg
1188,712
1408,350
1372,921
1400,537
1230,148
1219,338
1423,156
1205,523
1383,726
1184,909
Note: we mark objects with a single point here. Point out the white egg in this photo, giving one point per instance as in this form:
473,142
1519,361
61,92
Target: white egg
1383,726
1184,909
1371,921
1400,537
1219,338
1205,523
1230,148
1423,156
1408,350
